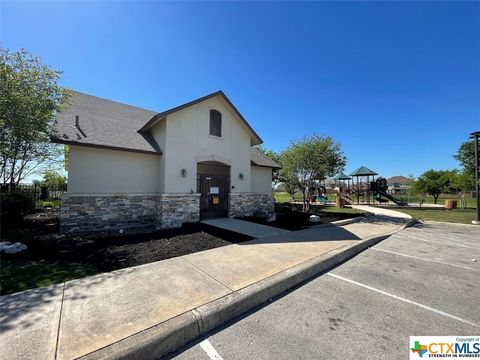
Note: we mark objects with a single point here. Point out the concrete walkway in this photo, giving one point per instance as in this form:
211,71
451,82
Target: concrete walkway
382,211
170,302
245,227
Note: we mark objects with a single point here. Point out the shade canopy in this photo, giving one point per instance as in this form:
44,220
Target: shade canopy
363,171
341,176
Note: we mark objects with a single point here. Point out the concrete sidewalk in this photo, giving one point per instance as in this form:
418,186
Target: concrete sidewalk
245,227
149,310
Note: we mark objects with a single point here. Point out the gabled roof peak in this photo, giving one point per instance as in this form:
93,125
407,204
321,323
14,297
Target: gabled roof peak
158,117
110,124
363,171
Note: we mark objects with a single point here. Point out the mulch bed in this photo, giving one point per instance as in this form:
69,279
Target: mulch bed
295,220
52,258
131,250
40,233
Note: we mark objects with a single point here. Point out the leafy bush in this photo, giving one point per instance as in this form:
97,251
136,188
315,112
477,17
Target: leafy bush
53,179
54,203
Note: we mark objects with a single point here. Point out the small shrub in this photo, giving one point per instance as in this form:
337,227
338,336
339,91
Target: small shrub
53,203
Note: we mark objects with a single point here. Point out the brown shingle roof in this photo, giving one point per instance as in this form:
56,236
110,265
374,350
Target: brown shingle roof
260,159
398,180
104,123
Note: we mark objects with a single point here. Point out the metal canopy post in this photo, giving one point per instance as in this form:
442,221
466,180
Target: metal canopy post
373,197
369,192
358,193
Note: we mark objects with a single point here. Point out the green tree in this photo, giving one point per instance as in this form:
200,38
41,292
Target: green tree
29,97
275,157
53,179
309,160
464,181
466,157
410,183
290,183
435,182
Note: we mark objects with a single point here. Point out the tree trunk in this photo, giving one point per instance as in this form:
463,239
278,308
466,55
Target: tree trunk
435,198
305,200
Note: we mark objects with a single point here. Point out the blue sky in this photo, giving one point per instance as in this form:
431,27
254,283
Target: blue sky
396,83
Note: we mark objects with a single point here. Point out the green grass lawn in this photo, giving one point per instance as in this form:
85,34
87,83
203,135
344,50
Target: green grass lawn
464,216
20,275
441,199
284,197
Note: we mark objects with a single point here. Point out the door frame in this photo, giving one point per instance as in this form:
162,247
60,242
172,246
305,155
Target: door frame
213,174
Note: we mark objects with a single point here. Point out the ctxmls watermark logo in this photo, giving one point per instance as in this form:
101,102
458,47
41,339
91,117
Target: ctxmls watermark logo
422,347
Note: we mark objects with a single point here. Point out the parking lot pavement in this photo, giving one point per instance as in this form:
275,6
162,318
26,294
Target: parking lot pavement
421,281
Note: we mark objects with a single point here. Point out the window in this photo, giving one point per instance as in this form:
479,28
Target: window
215,123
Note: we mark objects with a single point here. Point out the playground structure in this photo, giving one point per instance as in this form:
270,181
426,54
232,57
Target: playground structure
319,194
379,188
351,188
370,191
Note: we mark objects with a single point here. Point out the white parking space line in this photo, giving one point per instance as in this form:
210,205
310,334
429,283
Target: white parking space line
420,258
210,350
436,242
405,300
451,238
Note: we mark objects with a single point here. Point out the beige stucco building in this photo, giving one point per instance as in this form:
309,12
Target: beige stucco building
133,170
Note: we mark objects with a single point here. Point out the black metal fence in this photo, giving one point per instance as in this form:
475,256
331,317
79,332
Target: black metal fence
39,195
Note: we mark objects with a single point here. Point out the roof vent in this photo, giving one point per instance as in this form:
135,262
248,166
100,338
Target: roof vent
77,121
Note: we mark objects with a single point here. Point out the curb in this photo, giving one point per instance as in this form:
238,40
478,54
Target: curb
346,221
170,335
449,223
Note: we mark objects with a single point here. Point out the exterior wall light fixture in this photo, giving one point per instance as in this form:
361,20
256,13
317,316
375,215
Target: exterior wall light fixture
183,173
241,176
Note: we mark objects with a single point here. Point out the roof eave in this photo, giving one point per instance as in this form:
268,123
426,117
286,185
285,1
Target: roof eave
108,147
151,123
266,166
255,135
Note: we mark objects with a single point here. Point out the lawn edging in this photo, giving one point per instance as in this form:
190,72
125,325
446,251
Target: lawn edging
168,336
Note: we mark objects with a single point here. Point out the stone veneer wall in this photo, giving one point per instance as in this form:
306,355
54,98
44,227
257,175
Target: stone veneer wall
251,204
176,209
104,214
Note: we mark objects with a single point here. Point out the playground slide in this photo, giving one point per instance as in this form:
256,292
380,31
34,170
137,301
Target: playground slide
347,199
390,197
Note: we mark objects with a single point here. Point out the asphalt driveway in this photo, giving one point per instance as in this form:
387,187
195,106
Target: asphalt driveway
421,281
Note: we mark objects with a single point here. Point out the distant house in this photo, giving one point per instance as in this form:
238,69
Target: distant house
398,185
133,170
